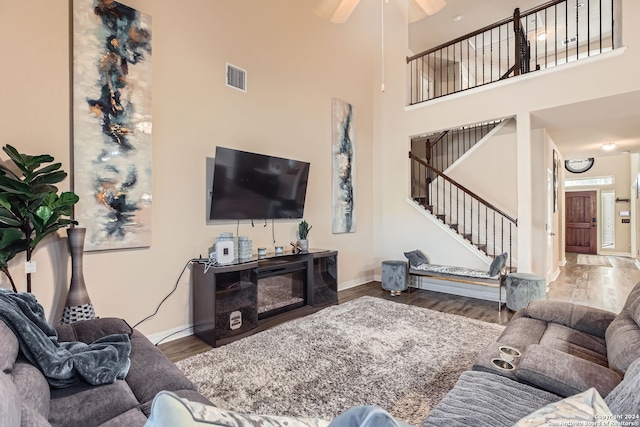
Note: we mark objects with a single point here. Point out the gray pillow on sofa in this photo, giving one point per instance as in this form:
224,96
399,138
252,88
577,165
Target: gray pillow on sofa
416,258
497,264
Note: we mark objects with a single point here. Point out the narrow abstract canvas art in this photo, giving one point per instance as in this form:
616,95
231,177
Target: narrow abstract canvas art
344,214
112,123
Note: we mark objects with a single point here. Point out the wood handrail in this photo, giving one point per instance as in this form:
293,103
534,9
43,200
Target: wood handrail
484,29
462,187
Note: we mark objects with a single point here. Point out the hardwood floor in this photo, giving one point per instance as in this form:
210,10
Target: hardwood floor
599,286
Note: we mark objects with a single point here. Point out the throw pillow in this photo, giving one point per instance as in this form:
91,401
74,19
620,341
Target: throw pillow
416,258
169,410
586,408
497,264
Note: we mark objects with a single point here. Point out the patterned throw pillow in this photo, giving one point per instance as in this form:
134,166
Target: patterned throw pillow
169,410
586,408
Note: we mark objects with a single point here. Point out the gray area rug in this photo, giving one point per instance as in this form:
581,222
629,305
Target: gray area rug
368,351
600,260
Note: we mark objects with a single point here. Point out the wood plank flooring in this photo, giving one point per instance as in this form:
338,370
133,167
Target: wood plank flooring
604,287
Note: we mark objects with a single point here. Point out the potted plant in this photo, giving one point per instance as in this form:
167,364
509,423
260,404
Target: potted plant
30,206
303,233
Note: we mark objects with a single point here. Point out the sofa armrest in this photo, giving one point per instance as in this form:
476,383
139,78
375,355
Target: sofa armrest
88,331
586,319
562,373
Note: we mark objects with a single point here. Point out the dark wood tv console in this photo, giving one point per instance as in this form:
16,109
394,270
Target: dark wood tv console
226,298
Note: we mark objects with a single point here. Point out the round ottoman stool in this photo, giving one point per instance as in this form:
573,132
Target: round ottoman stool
523,288
395,276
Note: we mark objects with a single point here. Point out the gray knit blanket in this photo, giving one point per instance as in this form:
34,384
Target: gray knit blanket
66,363
482,399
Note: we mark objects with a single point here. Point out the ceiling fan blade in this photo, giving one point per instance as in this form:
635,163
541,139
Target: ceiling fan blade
338,11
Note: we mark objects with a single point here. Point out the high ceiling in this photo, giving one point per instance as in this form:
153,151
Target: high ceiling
579,130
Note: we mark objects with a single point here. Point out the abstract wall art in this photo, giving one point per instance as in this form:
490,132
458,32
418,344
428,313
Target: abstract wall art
343,143
112,124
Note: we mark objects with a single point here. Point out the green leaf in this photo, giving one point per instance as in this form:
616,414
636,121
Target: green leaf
10,221
47,169
50,178
15,157
4,201
44,213
68,198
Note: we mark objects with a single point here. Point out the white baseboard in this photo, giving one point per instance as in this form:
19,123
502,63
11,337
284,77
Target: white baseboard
171,334
356,282
487,293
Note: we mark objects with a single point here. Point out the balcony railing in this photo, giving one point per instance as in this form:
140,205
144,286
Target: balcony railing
554,33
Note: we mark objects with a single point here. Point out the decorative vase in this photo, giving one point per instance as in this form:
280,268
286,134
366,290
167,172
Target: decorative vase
78,305
303,244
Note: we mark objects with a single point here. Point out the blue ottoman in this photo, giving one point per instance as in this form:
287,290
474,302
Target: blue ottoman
523,288
395,276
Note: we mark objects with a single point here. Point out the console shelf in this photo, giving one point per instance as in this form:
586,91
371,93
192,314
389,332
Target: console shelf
226,298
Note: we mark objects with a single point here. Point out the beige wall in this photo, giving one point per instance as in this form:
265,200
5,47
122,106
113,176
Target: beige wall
620,168
296,63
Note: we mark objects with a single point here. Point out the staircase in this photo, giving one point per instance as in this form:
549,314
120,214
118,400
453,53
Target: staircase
479,222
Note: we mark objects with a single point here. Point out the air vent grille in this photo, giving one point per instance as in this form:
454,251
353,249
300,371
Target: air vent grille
236,77
572,40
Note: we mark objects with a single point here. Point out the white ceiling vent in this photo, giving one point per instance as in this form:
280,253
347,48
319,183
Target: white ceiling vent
236,77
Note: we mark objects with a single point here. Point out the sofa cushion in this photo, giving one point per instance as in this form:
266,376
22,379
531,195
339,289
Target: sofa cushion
572,341
88,331
523,332
131,418
589,320
586,408
10,412
169,410
32,418
625,398
32,387
151,371
562,373
623,341
482,399
9,348
84,405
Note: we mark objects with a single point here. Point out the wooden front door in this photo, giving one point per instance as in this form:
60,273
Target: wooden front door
581,222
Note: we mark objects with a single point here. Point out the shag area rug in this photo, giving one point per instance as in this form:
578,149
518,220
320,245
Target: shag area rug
368,351
600,260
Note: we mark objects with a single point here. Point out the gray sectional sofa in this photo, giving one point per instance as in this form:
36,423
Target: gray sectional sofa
26,399
565,349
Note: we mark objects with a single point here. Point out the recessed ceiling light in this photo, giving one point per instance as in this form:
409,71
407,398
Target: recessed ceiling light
581,4
609,147
457,18
542,37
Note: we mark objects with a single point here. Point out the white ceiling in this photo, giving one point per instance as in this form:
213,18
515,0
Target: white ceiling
579,130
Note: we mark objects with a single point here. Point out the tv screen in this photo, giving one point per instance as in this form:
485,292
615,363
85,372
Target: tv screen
256,186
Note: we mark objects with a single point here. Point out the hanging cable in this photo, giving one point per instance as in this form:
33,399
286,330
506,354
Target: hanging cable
273,231
382,2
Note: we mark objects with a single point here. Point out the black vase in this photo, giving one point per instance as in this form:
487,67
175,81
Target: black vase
78,305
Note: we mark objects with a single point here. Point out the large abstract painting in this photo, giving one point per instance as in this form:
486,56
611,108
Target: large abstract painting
344,213
112,123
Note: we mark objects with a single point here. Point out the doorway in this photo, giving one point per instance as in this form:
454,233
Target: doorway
581,222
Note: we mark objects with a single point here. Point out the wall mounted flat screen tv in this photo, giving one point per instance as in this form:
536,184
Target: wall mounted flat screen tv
257,186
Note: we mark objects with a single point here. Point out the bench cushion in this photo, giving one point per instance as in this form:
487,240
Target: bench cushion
453,270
